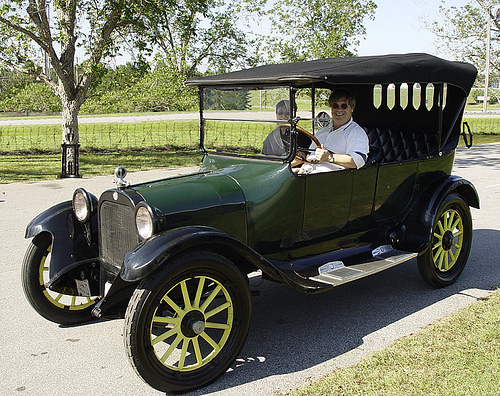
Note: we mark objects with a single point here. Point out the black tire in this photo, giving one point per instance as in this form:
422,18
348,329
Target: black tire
201,305
56,307
444,259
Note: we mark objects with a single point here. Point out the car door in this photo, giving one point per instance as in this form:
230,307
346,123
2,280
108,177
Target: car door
395,187
327,202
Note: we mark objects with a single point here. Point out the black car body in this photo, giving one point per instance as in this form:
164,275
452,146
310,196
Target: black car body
173,255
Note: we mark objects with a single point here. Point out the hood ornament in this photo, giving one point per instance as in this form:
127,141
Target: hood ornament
120,174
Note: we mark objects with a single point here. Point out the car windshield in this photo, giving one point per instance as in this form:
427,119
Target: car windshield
256,121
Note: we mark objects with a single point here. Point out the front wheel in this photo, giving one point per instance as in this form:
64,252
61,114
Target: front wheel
444,259
57,307
187,322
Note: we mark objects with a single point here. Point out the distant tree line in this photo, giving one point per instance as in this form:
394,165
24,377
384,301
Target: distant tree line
132,87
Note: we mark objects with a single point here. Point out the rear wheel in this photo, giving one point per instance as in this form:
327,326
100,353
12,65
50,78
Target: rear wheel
187,322
57,307
444,259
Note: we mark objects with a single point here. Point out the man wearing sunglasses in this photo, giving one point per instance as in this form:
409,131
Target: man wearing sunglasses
344,143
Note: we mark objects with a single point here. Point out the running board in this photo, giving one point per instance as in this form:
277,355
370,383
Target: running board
336,273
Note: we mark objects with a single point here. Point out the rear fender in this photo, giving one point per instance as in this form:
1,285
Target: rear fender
418,225
156,251
72,242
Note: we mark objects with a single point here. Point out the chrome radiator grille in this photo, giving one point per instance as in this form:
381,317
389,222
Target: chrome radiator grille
117,230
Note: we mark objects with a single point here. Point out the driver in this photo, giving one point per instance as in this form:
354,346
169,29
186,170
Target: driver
344,143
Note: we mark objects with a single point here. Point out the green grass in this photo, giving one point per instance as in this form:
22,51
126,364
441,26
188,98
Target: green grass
482,139
18,168
459,355
178,133
86,115
483,125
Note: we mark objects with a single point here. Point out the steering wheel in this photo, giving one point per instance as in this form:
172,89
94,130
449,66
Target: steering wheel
305,132
308,134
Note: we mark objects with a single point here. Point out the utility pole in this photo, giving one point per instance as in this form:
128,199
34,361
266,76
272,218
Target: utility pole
493,13
47,64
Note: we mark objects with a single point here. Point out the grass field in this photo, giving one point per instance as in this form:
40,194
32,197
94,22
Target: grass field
459,355
33,167
179,133
30,153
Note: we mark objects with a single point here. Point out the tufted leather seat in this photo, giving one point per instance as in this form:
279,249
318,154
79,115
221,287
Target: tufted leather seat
394,144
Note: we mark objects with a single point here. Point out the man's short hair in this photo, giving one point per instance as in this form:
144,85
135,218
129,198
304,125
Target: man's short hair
340,93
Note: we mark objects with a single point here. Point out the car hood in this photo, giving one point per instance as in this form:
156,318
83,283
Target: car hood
191,192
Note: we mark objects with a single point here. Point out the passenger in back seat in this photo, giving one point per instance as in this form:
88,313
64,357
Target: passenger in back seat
344,143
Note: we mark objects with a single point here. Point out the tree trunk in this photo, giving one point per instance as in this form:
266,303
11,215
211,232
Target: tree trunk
70,110
70,138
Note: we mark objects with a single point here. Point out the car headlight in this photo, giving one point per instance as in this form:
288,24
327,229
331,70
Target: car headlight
147,220
84,204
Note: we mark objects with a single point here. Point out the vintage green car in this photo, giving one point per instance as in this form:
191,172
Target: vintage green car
173,256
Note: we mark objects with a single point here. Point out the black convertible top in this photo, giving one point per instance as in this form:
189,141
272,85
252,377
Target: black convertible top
382,69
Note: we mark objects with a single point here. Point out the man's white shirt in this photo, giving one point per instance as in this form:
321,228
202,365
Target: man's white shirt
349,139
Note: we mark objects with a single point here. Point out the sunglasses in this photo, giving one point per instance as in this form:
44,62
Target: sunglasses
343,106
282,113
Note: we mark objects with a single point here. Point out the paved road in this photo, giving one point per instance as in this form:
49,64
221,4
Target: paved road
294,338
124,119
103,119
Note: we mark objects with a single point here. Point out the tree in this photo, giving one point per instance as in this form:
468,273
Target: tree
29,33
112,89
315,29
192,34
34,97
226,100
163,90
11,81
462,32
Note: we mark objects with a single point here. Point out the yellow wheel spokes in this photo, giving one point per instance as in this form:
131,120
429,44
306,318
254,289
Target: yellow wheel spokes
192,323
60,300
169,351
447,240
197,351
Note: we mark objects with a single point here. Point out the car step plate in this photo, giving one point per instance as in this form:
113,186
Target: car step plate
384,257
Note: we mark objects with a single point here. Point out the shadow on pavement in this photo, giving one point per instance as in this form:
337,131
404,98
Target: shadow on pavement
291,331
487,155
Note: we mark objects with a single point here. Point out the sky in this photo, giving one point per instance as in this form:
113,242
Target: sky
397,27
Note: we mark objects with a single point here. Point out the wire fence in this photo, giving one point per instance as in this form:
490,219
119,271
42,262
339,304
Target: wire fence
163,135
103,136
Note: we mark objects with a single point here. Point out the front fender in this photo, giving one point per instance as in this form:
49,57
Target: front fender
72,241
154,252
423,215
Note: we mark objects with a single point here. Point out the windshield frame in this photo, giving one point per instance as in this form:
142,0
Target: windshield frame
204,117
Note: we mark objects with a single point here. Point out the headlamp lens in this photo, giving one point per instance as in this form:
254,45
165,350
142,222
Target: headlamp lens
144,222
81,205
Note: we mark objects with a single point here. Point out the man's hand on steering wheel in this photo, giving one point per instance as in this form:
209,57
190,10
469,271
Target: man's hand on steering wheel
322,154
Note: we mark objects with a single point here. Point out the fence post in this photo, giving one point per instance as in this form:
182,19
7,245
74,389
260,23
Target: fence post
70,161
